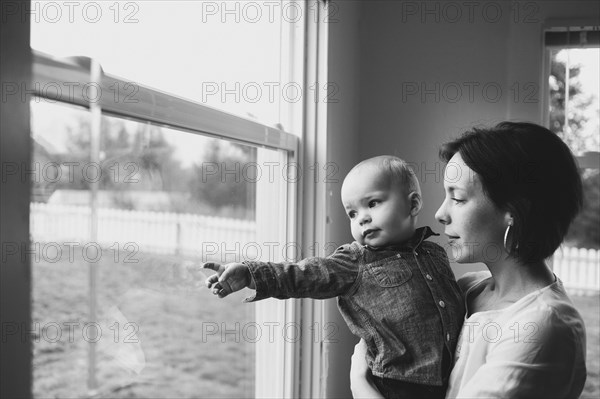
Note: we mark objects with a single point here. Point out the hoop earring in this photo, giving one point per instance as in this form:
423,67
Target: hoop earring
510,223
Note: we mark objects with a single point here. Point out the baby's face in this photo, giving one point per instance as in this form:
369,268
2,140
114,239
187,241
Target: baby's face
378,209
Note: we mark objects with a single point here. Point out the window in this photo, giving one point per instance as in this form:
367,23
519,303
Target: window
573,114
136,181
573,65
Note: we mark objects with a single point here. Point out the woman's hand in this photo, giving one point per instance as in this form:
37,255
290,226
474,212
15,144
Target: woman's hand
360,376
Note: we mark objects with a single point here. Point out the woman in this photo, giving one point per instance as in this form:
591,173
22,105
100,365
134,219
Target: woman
511,193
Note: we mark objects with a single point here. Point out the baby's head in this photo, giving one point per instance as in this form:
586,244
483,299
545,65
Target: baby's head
382,198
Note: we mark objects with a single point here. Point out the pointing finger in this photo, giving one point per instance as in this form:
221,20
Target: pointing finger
212,266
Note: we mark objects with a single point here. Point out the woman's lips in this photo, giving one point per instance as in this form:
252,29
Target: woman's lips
452,238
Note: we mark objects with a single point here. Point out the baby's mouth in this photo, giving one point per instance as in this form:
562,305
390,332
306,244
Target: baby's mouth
368,231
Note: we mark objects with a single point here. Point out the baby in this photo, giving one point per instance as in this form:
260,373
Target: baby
395,289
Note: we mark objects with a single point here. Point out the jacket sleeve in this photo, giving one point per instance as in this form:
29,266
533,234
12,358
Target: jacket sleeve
315,277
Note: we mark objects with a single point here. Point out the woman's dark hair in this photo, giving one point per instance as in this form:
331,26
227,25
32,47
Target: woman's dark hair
526,169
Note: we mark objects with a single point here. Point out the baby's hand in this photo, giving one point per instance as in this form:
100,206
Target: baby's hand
230,278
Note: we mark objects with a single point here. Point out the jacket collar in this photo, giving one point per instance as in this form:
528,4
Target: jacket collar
420,235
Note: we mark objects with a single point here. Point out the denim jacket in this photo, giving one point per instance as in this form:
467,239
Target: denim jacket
403,301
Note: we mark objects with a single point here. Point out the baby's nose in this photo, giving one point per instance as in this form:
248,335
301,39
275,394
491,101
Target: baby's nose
364,218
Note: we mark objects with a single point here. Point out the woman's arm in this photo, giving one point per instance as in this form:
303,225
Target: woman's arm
360,376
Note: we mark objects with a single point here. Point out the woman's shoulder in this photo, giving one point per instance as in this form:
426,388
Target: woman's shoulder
551,315
471,279
554,301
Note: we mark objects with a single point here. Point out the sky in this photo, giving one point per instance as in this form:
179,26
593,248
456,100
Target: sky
218,49
205,50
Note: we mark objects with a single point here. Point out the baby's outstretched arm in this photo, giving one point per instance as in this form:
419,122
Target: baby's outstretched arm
230,278
313,277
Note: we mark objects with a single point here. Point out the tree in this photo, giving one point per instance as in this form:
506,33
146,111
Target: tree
153,157
140,160
585,230
221,179
578,101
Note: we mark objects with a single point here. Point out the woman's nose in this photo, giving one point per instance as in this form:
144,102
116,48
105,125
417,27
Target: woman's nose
441,215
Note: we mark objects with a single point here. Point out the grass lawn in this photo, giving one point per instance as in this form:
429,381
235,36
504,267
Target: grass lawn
173,348
176,345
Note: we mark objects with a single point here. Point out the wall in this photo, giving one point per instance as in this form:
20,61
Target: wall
342,152
15,148
417,71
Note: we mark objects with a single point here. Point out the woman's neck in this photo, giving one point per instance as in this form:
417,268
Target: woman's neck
514,280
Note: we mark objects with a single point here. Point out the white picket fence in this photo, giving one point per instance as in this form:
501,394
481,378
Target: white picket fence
152,232
578,270
191,235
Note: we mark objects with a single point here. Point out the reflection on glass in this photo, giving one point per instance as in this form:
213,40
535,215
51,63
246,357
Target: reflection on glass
166,201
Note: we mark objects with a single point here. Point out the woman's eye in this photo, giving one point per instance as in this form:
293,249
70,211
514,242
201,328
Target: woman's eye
373,203
458,201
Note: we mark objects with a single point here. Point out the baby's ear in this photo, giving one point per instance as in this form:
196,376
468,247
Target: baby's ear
416,203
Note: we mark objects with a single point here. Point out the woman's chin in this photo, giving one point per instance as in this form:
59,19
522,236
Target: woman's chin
455,251
461,253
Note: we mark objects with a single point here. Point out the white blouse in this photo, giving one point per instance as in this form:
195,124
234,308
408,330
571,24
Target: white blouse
534,348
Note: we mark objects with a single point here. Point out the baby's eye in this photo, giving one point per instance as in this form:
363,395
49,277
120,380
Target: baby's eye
351,214
373,203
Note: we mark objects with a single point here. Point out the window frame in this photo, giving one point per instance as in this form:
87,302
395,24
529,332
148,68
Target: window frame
149,105
306,120
589,160
15,149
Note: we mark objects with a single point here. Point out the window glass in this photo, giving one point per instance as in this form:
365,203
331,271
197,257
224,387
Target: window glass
119,306
224,54
574,115
124,211
574,97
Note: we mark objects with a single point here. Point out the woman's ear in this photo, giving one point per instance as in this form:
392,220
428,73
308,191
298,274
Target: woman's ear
508,218
416,203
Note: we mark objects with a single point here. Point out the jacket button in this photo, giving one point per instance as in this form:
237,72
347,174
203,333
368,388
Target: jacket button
442,304
428,277
448,337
